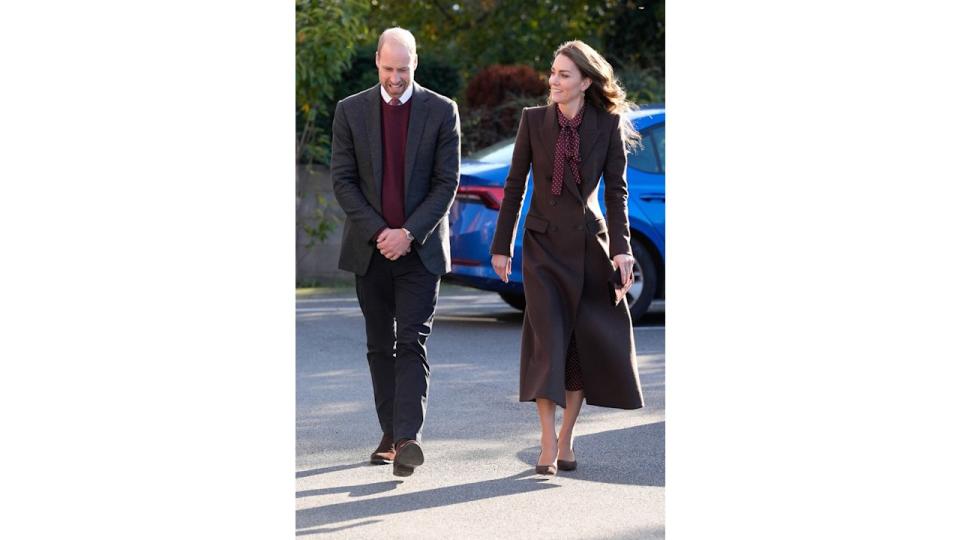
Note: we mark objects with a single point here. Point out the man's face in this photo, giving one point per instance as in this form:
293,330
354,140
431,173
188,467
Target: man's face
396,68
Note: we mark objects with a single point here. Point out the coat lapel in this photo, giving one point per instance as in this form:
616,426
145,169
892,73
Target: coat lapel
418,119
588,134
374,142
549,132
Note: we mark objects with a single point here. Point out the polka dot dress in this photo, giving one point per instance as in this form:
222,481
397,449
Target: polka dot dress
573,377
567,149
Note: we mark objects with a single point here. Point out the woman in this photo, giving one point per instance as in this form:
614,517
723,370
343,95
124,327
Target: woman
576,342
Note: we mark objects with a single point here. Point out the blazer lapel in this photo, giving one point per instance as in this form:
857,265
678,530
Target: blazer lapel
418,119
374,142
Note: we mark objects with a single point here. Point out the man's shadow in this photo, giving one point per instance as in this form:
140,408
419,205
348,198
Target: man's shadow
325,470
407,502
358,490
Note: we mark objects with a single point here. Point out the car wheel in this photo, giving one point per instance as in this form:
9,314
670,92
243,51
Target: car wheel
516,301
645,281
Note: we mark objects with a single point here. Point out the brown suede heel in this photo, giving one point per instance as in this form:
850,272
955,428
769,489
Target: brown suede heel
545,469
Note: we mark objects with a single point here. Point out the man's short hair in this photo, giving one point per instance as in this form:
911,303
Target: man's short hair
401,36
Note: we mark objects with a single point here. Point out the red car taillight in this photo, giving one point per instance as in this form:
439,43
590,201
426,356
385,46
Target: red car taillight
490,196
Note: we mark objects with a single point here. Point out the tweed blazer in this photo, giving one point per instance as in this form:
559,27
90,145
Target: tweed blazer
430,179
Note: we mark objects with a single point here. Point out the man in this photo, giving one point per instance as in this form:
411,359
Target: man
396,166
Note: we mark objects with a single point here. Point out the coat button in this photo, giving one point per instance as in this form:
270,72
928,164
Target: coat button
553,202
579,227
555,228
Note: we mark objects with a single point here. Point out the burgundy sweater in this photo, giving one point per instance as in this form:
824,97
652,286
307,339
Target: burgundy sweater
393,136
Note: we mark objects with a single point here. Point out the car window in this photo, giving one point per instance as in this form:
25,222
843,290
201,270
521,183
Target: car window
660,140
648,157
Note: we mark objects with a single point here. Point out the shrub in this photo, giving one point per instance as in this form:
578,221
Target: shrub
496,84
494,98
642,85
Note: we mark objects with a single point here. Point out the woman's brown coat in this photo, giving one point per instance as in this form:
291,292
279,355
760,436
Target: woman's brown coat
567,252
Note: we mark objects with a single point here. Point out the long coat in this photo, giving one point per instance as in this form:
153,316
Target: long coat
567,252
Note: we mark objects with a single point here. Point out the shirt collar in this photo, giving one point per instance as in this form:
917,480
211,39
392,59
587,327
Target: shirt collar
403,98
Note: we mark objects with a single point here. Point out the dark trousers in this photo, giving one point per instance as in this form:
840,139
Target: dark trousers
398,299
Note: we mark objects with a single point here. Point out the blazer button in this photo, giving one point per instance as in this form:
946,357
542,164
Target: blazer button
555,228
553,202
579,227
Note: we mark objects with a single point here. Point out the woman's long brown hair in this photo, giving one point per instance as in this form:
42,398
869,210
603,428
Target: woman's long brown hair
605,91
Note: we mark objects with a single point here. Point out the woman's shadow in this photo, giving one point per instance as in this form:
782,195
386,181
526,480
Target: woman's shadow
632,456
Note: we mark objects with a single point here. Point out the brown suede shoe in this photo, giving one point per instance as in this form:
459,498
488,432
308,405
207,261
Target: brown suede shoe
409,457
385,453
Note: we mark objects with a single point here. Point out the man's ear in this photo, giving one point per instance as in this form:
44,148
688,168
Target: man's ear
376,59
414,62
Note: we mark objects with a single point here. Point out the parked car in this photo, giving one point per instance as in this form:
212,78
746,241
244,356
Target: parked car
473,216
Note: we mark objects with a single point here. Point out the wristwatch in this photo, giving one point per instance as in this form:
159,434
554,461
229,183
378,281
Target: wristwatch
410,236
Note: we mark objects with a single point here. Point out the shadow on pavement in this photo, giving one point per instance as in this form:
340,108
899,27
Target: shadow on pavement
632,456
314,472
359,490
323,530
432,498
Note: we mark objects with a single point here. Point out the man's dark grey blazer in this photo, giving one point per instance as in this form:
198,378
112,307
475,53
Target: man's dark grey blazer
430,179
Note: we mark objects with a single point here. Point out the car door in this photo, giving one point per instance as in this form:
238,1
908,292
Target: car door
645,174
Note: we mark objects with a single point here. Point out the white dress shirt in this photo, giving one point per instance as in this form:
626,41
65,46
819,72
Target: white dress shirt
403,98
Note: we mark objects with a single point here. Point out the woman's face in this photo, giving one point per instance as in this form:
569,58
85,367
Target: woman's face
567,84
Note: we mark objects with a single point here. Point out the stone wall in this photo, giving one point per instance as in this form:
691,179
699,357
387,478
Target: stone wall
317,264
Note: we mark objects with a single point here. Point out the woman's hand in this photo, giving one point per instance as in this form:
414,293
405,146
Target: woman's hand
625,263
501,265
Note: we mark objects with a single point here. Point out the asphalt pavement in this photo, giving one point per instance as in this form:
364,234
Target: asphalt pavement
480,443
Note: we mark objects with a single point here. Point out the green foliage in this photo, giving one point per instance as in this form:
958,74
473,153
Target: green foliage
477,33
481,33
643,86
634,45
321,223
433,72
438,74
327,33
636,35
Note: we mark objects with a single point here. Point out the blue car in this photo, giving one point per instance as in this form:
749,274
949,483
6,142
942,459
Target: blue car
473,217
